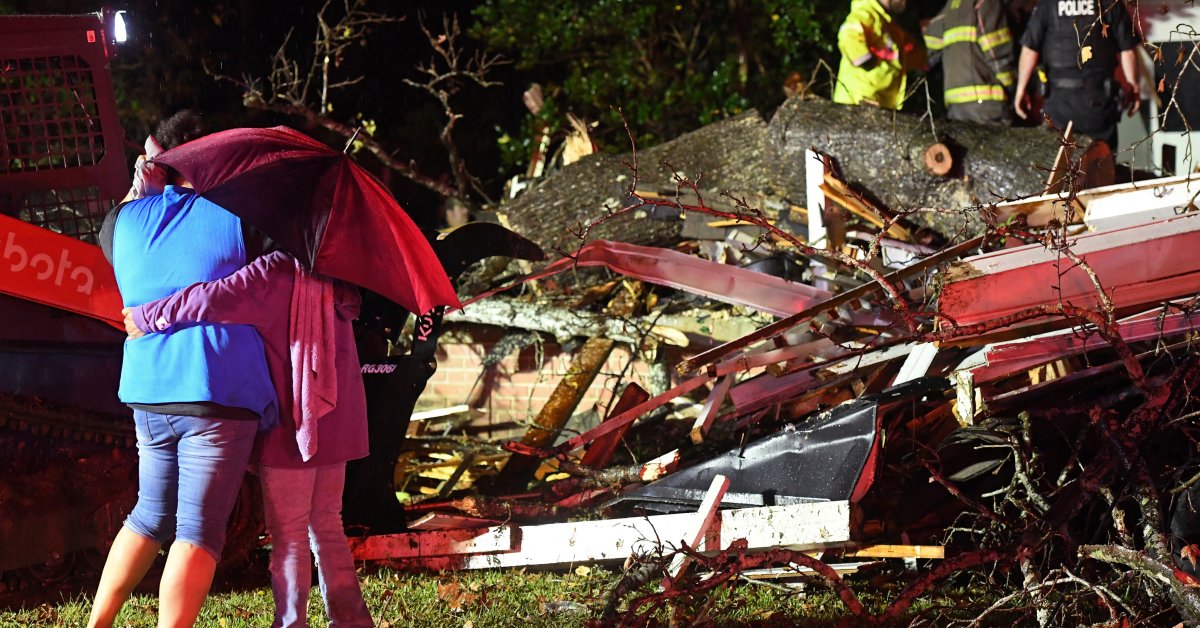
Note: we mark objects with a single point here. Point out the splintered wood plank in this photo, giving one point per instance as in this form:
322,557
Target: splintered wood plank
895,551
852,201
1062,161
439,413
601,450
916,365
445,521
661,466
712,406
705,515
818,234
802,527
435,543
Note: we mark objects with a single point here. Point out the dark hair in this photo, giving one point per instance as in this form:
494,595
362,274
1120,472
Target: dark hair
181,128
185,126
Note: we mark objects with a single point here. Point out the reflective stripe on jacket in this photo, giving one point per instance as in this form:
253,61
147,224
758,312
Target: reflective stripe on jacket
978,55
974,93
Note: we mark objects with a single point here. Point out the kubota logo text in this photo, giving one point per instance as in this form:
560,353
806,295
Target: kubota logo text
45,267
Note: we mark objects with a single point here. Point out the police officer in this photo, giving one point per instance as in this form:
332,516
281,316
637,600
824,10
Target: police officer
1080,43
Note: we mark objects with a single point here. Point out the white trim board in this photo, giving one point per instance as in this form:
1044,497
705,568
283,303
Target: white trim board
799,527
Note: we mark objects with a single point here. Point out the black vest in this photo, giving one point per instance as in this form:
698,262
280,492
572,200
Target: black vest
1073,27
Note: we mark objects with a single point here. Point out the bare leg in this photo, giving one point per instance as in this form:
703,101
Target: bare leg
127,563
185,583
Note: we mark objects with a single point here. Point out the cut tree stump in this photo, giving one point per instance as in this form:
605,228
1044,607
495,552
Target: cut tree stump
938,159
882,153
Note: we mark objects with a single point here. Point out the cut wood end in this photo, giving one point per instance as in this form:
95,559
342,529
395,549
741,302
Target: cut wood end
660,466
938,160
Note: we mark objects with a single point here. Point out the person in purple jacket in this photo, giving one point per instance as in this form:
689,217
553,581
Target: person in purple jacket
305,323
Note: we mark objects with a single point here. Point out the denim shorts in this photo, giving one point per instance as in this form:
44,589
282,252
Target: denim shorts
190,470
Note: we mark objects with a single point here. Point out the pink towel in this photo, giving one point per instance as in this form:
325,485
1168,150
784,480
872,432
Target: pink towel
311,336
148,178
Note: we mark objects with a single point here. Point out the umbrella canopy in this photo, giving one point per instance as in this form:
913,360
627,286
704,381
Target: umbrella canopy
319,206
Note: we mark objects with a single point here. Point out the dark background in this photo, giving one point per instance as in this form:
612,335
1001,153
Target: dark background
159,70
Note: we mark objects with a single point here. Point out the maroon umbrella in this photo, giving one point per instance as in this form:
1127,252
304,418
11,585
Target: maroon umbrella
320,207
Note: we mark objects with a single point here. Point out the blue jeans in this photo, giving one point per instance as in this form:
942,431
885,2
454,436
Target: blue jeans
190,470
303,508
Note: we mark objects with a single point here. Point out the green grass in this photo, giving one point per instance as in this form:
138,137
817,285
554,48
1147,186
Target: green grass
493,598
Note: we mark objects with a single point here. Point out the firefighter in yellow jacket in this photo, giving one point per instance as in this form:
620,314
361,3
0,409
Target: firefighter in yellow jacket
876,54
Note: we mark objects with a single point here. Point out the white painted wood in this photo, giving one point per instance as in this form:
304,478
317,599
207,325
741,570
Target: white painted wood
440,412
820,525
814,178
1147,203
916,365
705,515
870,359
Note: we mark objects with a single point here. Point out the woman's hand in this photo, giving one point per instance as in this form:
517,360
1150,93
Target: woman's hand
130,327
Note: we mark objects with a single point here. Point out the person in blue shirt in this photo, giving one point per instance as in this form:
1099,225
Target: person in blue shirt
199,393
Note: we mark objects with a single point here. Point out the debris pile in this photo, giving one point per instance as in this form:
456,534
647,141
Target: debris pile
979,397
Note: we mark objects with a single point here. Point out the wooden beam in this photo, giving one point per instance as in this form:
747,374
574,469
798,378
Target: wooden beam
629,416
1040,210
813,526
429,415
817,236
916,365
478,541
601,450
1151,200
1004,359
838,191
447,521
1062,161
706,514
894,551
712,406
853,362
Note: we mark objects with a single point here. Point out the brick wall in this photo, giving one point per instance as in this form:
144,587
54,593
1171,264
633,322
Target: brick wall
516,389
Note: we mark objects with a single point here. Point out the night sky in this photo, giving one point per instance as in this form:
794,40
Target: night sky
159,70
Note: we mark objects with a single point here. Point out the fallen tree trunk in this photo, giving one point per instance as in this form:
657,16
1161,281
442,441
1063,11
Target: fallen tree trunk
562,323
729,154
882,153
